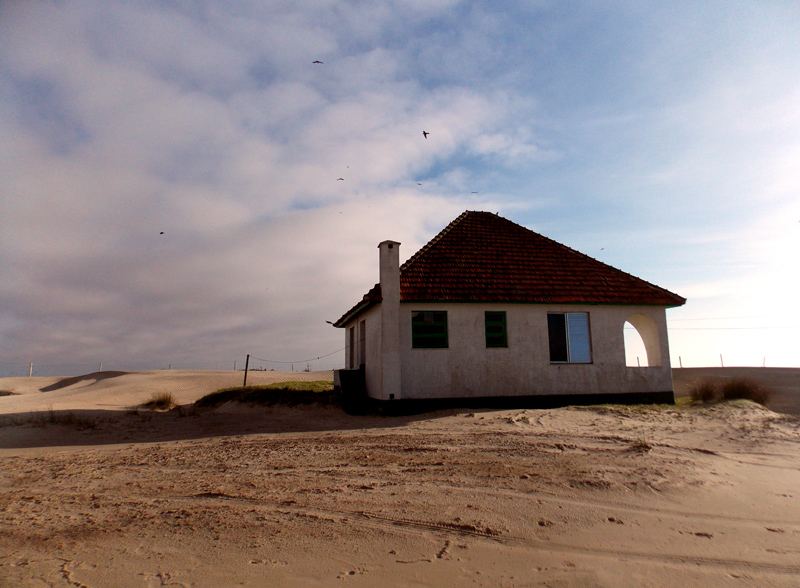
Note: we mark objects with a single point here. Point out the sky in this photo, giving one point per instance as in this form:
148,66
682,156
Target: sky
169,170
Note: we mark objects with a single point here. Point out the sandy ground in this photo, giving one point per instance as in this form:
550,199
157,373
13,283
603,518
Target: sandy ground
309,496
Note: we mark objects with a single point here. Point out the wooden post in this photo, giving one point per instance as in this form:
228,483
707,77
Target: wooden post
234,365
100,369
246,364
680,361
720,360
30,370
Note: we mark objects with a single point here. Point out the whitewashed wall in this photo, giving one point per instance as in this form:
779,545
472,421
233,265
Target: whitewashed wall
468,369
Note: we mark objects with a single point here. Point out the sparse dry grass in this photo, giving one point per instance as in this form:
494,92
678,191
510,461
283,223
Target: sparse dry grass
707,391
704,391
742,388
161,401
641,445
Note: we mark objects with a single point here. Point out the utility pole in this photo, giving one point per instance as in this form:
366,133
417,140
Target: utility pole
246,364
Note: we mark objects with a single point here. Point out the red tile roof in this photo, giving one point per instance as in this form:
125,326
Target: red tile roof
482,257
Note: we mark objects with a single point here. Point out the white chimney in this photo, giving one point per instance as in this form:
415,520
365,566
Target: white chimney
390,319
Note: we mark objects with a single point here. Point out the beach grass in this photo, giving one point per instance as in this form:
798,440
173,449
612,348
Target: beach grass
287,393
161,401
707,391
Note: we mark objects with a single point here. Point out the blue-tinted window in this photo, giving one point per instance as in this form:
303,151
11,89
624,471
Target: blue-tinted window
569,336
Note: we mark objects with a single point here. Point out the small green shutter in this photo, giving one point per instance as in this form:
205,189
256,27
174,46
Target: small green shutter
495,325
429,329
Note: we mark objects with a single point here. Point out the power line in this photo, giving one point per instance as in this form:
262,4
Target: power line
723,318
311,358
299,360
729,328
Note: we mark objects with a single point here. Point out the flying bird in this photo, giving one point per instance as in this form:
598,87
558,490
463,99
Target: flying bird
425,134
340,179
418,184
161,233
473,192
319,62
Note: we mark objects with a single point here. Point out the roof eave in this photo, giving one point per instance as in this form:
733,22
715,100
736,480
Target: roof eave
354,312
370,298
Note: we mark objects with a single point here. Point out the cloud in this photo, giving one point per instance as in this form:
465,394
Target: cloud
211,124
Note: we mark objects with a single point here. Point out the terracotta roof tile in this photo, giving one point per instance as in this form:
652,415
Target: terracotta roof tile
482,257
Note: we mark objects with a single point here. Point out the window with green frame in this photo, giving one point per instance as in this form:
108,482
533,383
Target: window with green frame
429,329
495,326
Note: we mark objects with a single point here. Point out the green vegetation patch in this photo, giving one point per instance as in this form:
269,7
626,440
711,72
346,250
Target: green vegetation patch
287,393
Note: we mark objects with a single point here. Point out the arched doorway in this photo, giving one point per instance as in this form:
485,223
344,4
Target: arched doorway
642,342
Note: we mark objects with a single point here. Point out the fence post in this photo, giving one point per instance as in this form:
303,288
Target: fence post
30,370
680,361
720,360
246,364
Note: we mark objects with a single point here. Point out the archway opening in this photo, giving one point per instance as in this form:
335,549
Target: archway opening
635,352
642,341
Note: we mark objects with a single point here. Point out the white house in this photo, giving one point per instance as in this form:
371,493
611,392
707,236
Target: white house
489,309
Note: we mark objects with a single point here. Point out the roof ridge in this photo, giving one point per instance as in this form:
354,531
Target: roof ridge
435,240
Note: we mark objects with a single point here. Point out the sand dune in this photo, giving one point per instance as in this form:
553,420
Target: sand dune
309,496
123,390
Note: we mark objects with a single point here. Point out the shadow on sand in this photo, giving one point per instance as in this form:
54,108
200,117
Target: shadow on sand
103,427
94,376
